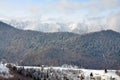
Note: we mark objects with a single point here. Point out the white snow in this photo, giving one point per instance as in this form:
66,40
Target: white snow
4,71
86,72
75,27
3,68
106,76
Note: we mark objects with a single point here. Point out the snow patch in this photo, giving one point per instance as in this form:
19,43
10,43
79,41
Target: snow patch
4,71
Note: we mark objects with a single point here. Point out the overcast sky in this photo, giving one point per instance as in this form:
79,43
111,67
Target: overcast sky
94,11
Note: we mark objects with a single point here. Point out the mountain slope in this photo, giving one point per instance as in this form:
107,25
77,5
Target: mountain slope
94,50
90,50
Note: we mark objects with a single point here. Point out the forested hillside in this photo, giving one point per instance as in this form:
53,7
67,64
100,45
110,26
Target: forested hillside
94,50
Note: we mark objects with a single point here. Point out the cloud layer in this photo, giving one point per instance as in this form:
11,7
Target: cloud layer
99,14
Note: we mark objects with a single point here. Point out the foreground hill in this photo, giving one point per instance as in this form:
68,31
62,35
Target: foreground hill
94,50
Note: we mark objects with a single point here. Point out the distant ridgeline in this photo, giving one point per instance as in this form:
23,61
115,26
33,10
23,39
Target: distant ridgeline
96,50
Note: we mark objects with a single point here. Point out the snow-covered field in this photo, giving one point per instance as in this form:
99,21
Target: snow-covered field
101,73
76,73
70,73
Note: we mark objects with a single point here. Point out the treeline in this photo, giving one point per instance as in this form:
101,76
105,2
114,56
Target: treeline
51,73
42,73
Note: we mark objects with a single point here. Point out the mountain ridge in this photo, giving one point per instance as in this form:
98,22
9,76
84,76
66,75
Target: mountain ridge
36,48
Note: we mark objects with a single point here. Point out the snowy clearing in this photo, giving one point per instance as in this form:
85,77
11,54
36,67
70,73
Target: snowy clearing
75,73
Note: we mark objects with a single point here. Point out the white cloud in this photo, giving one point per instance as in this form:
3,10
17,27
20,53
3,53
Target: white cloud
68,8
113,21
96,12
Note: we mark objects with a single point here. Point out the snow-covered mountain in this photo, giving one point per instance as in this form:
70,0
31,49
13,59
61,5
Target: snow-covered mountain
47,26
